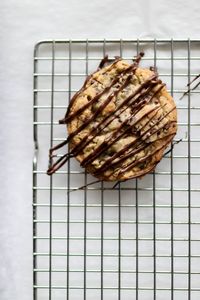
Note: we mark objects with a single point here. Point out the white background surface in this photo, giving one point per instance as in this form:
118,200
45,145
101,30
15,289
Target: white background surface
22,24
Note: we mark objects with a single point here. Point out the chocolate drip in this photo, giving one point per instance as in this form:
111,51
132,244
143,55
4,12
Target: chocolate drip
172,147
58,164
106,60
137,58
86,185
117,183
103,62
191,88
154,69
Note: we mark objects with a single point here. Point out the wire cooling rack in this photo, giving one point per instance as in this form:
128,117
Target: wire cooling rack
140,240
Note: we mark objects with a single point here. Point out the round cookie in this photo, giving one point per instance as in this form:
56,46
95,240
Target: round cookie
120,122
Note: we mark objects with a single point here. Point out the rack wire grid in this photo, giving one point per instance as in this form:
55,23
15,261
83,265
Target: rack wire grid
140,240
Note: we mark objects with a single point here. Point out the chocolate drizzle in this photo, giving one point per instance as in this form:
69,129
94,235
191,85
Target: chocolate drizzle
107,120
143,159
142,96
107,60
138,147
172,147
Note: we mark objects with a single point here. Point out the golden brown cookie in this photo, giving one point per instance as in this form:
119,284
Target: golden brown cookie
120,122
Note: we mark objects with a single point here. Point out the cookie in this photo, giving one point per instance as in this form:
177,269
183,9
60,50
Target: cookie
120,122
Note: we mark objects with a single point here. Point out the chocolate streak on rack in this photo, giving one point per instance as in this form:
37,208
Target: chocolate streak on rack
172,147
191,88
86,185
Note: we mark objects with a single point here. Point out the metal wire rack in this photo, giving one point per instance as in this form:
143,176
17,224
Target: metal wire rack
140,240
